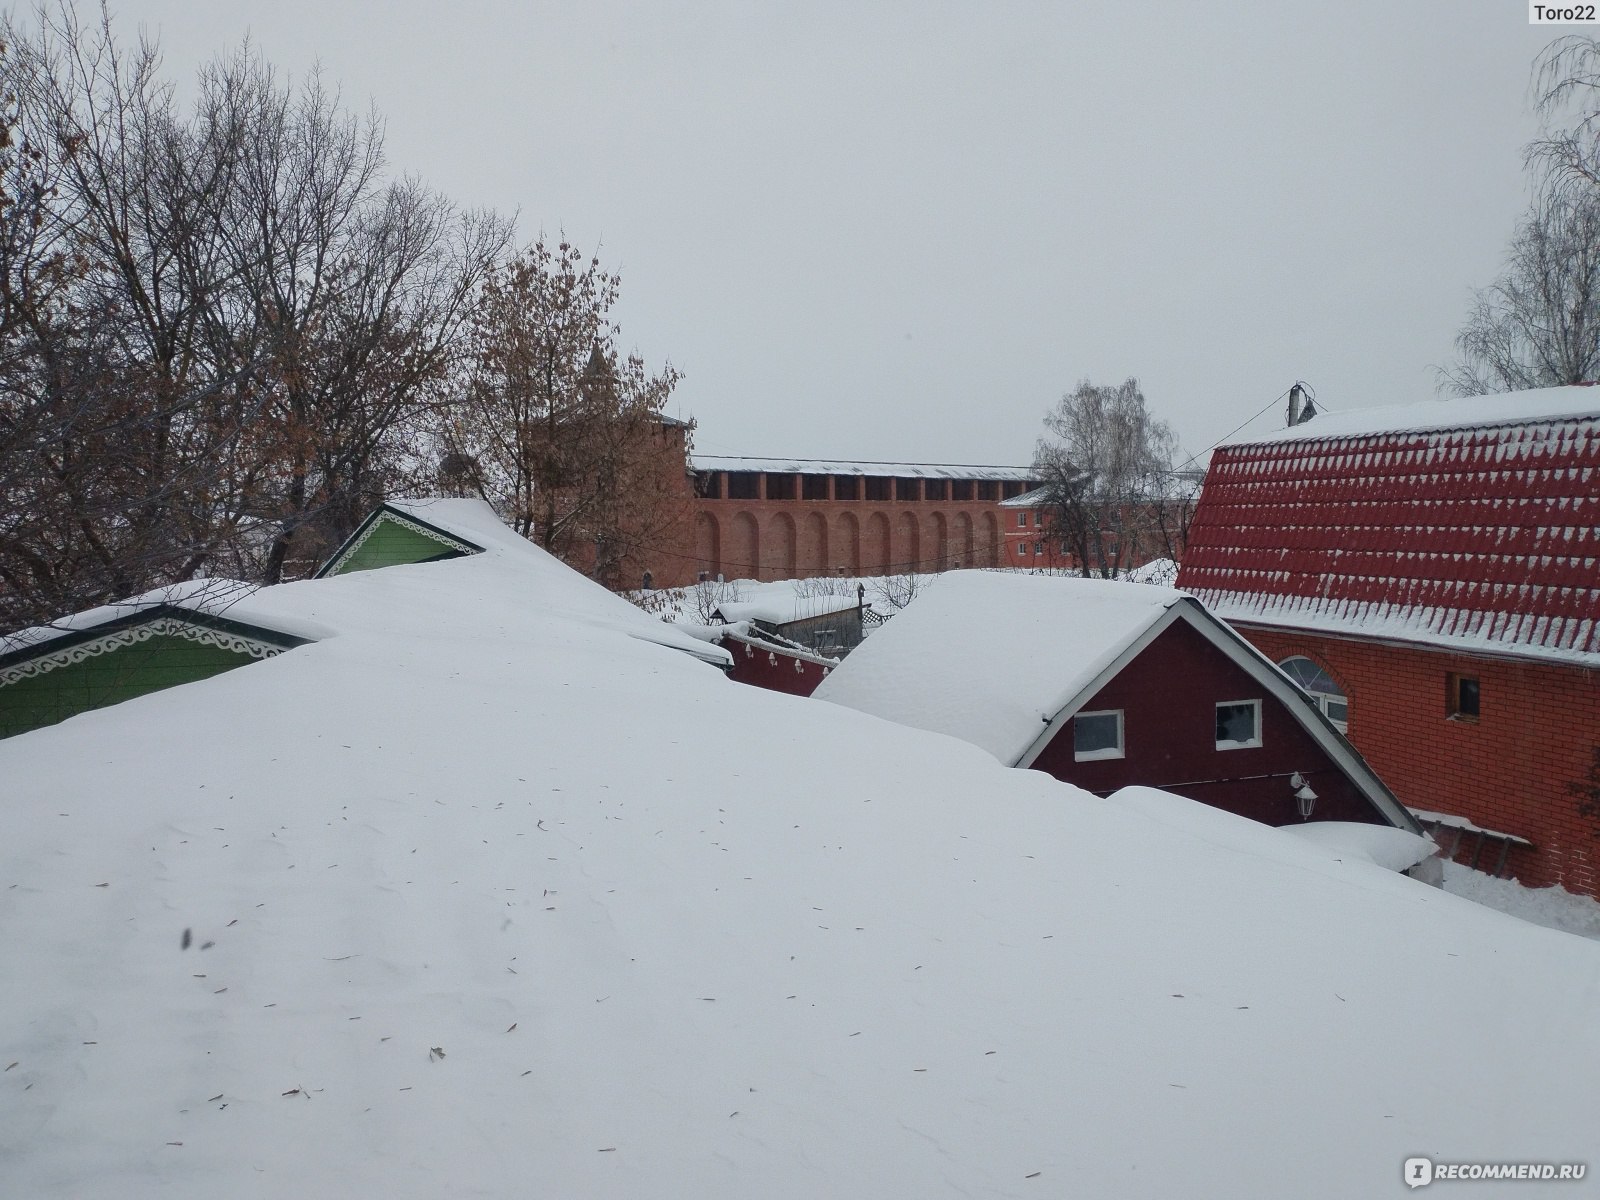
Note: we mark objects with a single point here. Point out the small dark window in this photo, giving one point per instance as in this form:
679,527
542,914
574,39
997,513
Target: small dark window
743,485
878,487
1239,725
1461,701
780,487
907,489
986,490
961,489
846,487
814,487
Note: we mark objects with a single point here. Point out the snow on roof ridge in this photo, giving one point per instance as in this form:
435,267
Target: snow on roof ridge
845,466
777,609
1485,632
1535,405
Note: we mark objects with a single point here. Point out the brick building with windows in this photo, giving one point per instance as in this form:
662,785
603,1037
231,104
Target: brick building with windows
1144,530
1431,574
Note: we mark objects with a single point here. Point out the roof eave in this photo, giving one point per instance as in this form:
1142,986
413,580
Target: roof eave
145,616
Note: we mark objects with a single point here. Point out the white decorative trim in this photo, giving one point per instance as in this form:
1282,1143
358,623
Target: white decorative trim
122,638
433,535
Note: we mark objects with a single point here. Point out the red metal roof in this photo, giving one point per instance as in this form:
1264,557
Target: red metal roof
1482,536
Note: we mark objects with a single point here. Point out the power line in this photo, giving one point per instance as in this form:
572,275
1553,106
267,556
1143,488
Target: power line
1242,424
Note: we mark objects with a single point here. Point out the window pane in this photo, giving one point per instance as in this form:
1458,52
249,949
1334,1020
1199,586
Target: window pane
1338,712
1469,697
1310,676
1098,734
1236,724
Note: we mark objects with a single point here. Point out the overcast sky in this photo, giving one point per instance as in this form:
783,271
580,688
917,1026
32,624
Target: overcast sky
902,231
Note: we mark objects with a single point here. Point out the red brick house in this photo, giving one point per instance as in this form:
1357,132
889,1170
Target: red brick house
1107,685
1434,571
1146,531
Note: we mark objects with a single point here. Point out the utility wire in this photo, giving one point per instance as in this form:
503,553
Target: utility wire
1242,424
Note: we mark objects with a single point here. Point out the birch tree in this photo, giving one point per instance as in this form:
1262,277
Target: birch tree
1106,469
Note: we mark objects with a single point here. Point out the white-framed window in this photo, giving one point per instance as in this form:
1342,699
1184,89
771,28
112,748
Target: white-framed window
1238,724
1097,735
1038,547
1324,691
1022,520
1022,549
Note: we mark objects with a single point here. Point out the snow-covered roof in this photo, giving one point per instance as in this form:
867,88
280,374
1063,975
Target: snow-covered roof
1382,845
1004,660
1032,498
987,656
1160,571
226,599
828,466
514,570
783,605
1467,524
1467,412
483,896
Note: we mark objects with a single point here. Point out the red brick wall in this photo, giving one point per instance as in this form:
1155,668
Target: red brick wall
782,539
1168,696
1510,770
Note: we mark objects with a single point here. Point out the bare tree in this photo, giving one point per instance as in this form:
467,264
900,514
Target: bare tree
709,595
1538,325
1106,472
224,328
347,291
1566,84
110,418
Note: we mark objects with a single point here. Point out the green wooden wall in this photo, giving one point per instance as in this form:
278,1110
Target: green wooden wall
392,544
110,678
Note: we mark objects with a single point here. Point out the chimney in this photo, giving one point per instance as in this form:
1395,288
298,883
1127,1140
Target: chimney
1301,406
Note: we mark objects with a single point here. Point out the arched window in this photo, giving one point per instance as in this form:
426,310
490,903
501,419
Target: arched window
1329,696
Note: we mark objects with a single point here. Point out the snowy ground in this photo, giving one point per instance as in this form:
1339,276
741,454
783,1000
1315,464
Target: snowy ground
483,896
1553,907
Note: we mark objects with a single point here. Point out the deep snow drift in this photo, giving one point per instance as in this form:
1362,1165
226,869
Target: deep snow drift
484,896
